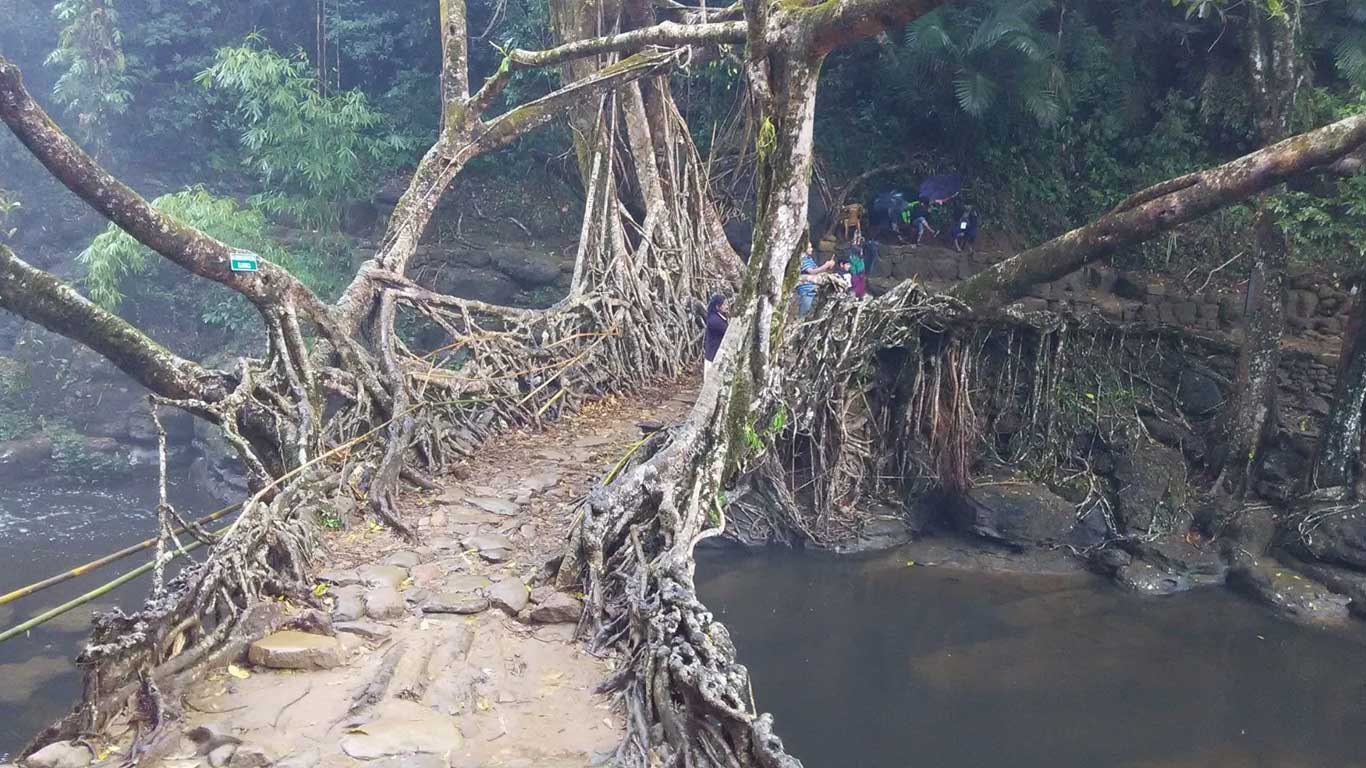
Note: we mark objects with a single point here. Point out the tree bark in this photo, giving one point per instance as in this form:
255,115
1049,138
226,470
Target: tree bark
1161,208
1250,415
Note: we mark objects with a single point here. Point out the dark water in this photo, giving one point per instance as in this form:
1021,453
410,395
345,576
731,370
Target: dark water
45,530
870,663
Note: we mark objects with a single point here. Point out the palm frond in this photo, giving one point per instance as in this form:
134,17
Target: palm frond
975,92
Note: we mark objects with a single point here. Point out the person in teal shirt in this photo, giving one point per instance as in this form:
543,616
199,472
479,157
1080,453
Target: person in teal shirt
806,292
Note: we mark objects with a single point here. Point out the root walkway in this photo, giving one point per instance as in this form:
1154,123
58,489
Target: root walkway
442,655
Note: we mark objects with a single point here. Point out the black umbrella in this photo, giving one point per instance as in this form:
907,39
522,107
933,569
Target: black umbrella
941,187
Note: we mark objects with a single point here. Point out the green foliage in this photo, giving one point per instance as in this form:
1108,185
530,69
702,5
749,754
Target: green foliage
320,151
14,384
989,54
113,256
93,85
73,458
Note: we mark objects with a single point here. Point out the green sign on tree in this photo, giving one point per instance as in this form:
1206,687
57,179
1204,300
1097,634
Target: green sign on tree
242,261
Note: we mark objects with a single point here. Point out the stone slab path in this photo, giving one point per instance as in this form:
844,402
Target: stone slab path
445,654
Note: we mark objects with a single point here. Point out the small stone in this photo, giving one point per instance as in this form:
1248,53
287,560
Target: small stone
382,575
366,629
211,736
494,555
220,756
437,519
510,595
349,603
307,759
495,506
523,498
250,756
383,603
61,754
350,643
291,649
541,482
404,559
557,608
456,602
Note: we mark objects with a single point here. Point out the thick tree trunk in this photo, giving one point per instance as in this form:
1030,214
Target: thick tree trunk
1250,416
1337,460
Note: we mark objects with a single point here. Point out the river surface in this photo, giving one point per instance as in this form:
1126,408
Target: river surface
868,662
48,529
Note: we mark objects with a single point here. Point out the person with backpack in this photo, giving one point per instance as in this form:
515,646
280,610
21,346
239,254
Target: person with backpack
966,232
858,267
917,215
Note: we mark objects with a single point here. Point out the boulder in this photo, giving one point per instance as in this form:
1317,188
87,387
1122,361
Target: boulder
509,595
1297,598
1339,538
291,649
1018,514
1152,491
557,608
384,602
59,754
531,270
1198,394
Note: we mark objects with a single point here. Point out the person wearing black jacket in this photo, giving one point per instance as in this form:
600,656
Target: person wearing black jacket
716,330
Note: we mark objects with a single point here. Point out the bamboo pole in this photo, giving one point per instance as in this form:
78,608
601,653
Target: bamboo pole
81,570
53,613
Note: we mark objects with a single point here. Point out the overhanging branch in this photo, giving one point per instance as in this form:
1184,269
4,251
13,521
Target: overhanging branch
666,33
1161,208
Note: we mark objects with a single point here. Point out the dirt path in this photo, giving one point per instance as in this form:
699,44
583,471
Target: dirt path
442,656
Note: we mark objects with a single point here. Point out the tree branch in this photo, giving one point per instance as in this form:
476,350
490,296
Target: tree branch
40,297
1180,200
666,33
184,245
834,23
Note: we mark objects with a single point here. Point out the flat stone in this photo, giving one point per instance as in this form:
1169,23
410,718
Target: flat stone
593,441
494,505
383,603
464,515
309,758
510,595
60,754
554,454
382,575
456,602
557,608
366,629
424,760
464,582
403,559
540,482
484,542
494,555
421,732
427,574
349,603
341,577
291,649
542,593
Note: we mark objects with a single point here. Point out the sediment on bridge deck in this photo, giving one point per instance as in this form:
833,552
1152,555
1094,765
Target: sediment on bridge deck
446,653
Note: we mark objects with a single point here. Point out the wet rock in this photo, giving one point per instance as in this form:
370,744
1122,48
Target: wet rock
382,575
879,533
509,595
295,650
1016,513
384,602
456,602
1297,598
59,754
309,758
501,507
529,269
1339,537
1174,554
1148,579
1198,394
557,608
369,630
403,559
1346,582
417,731
1152,492
349,603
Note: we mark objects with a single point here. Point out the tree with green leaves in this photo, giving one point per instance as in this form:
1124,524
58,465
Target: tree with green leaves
93,85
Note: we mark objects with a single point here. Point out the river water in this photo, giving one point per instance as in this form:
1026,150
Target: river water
45,530
868,662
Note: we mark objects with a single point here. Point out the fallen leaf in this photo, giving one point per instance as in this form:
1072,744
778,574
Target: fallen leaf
238,672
